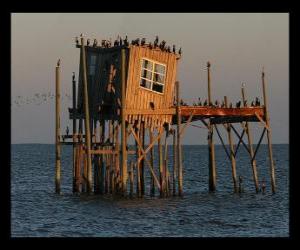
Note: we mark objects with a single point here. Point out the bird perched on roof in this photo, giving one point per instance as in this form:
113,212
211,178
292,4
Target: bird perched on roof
126,43
238,104
199,101
120,41
181,102
150,45
217,103
252,104
116,42
169,49
230,105
257,101
174,49
87,42
137,41
211,104
205,102
223,104
245,103
162,45
58,63
76,40
143,41
156,42
95,43
103,43
180,52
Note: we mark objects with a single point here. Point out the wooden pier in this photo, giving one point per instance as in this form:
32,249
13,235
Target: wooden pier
130,91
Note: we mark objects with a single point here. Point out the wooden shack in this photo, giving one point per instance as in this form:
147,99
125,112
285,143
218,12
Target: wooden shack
130,90
150,83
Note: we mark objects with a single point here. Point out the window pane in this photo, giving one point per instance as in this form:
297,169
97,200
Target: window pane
157,87
147,64
158,78
146,84
160,68
147,74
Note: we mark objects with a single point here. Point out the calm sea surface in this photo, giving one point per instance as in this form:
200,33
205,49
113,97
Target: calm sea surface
37,211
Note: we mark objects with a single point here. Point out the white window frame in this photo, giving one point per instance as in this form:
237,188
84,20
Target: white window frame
152,75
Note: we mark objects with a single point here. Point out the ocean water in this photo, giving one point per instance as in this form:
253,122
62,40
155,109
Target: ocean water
36,211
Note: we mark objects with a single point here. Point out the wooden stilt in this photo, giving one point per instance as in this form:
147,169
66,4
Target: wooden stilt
142,172
101,158
232,156
165,165
57,130
211,149
267,119
123,126
117,157
152,184
160,163
253,162
174,163
179,153
131,179
87,119
74,130
138,164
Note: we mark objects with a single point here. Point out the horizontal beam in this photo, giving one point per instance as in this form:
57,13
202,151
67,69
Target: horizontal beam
211,111
170,111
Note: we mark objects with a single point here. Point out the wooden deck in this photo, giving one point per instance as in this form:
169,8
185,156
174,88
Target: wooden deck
221,115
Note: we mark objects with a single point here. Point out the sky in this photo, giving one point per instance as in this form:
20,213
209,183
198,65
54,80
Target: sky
237,45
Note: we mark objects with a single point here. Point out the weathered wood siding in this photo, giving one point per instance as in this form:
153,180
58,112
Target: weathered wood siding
139,98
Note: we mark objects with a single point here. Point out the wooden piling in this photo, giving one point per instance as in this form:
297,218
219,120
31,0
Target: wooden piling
138,164
131,179
160,163
101,158
142,163
267,119
232,157
57,129
87,119
253,162
179,153
123,124
74,131
152,184
211,149
174,163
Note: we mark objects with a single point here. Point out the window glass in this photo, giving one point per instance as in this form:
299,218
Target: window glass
152,75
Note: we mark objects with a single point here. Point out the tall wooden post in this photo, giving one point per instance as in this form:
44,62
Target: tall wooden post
138,164
101,158
74,132
174,163
123,124
87,119
211,149
117,163
232,158
179,153
152,187
57,129
160,163
267,119
142,172
253,162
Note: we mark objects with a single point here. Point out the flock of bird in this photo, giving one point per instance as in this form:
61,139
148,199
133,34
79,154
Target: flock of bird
138,42
38,99
217,104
